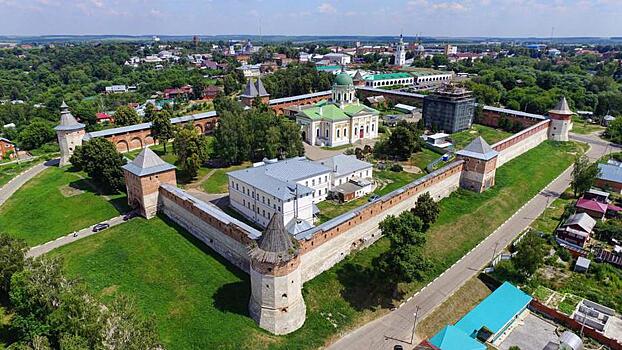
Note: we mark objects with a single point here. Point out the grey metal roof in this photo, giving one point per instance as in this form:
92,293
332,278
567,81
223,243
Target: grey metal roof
610,172
250,90
299,97
295,226
336,221
478,149
598,192
582,220
147,163
562,107
583,263
342,164
347,187
513,112
280,178
261,90
67,120
212,210
275,244
143,126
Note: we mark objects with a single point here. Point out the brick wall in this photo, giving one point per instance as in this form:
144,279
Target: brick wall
521,142
572,324
492,118
279,107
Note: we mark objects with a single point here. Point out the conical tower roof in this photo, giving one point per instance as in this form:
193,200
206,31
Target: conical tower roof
479,149
67,121
562,107
147,163
358,76
250,90
261,90
275,244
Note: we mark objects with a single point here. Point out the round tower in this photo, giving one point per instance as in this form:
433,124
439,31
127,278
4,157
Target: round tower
70,134
343,89
561,121
276,302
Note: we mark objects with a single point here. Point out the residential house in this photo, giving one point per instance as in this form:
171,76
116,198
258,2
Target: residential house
211,91
103,117
180,92
576,230
7,148
610,176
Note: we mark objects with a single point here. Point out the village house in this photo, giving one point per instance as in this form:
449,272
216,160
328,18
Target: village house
610,176
7,148
576,230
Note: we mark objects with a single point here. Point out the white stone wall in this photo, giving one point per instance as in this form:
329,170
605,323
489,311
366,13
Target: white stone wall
521,147
232,250
68,141
330,253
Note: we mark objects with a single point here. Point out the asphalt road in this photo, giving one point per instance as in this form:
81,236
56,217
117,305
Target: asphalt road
12,186
396,327
61,241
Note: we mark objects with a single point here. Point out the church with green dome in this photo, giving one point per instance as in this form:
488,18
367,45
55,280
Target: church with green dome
341,120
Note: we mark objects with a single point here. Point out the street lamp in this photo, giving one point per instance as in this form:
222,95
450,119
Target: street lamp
412,336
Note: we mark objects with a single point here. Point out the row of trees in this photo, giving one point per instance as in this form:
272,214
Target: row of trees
297,79
52,311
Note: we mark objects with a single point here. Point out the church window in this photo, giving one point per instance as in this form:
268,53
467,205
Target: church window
338,134
317,132
326,133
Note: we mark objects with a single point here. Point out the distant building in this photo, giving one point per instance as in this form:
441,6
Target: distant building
116,89
7,148
451,49
400,52
450,109
181,92
104,118
250,70
338,58
388,79
254,89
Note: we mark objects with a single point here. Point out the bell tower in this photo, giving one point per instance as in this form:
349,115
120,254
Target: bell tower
276,302
69,133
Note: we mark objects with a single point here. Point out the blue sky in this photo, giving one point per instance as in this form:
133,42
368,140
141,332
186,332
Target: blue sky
324,17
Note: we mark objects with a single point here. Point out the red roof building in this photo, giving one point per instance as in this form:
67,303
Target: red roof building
183,91
104,118
596,209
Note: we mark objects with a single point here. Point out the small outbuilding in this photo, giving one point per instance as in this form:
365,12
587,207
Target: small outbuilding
582,264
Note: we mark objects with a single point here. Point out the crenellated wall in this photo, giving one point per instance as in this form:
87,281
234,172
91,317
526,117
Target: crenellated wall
521,142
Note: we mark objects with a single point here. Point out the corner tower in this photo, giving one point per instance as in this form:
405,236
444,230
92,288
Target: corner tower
143,177
480,165
70,134
561,121
276,302
253,90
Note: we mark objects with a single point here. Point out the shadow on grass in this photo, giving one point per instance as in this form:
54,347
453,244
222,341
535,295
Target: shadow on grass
88,185
363,288
233,297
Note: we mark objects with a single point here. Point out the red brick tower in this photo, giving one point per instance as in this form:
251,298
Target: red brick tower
479,167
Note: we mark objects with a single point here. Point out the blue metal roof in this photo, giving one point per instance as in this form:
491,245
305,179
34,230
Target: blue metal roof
496,311
453,338
610,172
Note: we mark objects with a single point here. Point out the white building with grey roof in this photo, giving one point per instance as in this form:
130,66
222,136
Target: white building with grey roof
290,188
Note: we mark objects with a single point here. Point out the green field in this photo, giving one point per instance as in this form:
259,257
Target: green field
218,182
580,126
491,135
9,171
54,203
200,301
423,158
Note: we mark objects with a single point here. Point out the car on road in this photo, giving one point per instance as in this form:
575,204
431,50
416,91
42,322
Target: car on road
129,216
373,197
100,227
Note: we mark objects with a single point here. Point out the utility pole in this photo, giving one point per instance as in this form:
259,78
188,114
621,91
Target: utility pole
494,252
412,336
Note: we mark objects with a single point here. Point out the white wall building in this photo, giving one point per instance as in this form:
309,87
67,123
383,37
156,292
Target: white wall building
338,58
400,53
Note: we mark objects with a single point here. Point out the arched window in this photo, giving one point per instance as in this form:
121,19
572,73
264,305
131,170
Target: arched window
338,133
345,132
317,132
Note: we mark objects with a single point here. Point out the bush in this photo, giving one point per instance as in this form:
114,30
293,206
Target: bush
397,167
382,129
564,254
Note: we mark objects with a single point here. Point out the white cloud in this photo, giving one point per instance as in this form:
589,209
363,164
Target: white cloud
327,8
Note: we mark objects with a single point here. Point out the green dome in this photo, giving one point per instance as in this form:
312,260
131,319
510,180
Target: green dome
343,78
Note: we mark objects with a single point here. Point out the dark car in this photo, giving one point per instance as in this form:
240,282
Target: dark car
373,197
100,227
129,216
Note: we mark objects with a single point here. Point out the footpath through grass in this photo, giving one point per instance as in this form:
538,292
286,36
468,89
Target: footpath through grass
9,171
200,301
54,203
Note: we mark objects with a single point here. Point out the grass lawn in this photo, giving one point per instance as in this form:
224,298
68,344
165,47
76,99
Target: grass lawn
454,308
547,222
55,203
542,293
390,182
218,182
7,172
200,301
491,135
580,126
337,148
423,158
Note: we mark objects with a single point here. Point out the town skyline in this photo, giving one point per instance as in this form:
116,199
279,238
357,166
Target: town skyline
481,18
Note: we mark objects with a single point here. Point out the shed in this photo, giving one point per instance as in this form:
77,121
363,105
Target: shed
582,264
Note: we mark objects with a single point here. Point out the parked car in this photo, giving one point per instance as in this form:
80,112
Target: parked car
129,216
100,227
373,197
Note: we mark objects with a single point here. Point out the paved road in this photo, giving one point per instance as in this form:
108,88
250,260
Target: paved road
61,241
396,326
12,186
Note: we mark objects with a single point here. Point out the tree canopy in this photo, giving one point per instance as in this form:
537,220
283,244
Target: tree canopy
100,159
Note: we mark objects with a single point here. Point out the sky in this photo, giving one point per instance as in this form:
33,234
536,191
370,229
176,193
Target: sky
502,18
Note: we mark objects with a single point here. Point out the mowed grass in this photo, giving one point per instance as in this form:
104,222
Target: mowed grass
581,126
218,182
9,171
454,308
423,158
198,299
54,203
491,135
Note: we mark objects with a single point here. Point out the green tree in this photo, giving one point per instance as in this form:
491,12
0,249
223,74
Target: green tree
100,159
150,112
530,254
291,139
402,143
37,133
125,115
161,127
426,209
232,139
583,175
191,149
12,258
